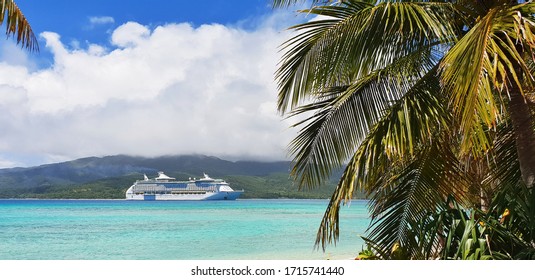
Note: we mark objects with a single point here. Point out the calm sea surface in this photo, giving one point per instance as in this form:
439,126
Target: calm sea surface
173,230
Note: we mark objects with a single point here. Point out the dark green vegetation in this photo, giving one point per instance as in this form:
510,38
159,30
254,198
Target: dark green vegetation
428,106
109,177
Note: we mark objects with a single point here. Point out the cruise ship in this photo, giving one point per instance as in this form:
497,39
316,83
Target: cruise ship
164,187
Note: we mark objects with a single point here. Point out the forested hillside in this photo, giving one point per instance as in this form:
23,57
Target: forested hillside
109,177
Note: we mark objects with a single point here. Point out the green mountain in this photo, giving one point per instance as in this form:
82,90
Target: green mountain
109,177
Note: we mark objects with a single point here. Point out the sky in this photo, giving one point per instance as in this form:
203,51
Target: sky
144,78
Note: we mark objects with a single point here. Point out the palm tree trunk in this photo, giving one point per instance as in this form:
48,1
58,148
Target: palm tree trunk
523,125
524,135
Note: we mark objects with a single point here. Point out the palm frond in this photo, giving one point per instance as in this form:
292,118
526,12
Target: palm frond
343,118
17,25
412,121
408,197
503,161
484,62
309,51
326,50
414,138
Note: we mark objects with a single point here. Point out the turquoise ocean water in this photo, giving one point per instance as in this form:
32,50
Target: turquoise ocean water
173,230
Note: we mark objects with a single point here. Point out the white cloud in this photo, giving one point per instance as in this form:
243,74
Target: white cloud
130,34
8,164
101,20
174,89
12,54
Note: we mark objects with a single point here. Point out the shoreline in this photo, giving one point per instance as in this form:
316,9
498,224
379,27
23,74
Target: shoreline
122,199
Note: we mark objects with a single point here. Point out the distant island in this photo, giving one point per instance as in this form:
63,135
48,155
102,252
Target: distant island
109,177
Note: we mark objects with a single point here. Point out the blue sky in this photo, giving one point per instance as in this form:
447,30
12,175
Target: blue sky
144,78
91,21
53,14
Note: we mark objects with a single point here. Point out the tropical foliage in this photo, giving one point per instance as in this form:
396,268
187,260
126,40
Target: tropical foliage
17,25
428,107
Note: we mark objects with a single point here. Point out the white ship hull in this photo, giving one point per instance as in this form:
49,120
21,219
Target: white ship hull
207,196
167,188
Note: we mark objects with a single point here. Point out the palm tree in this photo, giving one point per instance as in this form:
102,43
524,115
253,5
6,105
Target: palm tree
17,25
418,101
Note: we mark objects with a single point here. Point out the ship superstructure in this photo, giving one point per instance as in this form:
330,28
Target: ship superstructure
164,187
